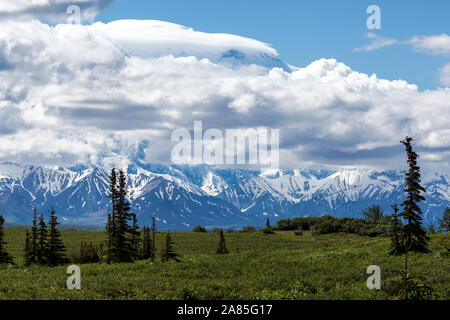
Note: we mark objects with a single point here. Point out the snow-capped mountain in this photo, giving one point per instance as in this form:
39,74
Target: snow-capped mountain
153,39
183,196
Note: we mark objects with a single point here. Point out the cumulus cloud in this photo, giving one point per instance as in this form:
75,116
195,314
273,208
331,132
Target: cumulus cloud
51,10
438,44
76,94
445,75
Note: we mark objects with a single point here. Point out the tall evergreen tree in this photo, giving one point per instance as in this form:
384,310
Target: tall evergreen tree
56,248
34,238
5,257
29,258
268,223
167,252
111,227
135,238
123,233
122,240
444,223
397,246
147,244
42,250
221,247
416,238
153,253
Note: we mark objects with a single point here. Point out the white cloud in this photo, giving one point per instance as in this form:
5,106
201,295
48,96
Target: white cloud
377,42
445,75
438,44
51,10
74,94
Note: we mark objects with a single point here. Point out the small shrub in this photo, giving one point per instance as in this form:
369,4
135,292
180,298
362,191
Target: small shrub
88,254
248,229
215,229
268,230
298,232
199,228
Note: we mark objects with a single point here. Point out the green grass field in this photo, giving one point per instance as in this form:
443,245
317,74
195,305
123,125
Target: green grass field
259,266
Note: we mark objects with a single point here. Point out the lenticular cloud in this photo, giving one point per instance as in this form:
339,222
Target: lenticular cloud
74,94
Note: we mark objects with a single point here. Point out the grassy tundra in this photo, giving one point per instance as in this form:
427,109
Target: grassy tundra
260,266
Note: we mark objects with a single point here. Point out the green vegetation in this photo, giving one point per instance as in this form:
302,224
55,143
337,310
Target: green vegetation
276,266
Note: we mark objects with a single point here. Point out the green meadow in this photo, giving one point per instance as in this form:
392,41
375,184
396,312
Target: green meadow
259,266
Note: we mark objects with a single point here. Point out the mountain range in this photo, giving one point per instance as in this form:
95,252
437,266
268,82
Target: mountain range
184,196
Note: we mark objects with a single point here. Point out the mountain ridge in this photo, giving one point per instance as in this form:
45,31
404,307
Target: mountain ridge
183,196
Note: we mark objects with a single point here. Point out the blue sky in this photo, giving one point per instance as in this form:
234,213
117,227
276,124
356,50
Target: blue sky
303,31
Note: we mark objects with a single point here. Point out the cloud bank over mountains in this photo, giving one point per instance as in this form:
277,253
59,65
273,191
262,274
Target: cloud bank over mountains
72,94
51,10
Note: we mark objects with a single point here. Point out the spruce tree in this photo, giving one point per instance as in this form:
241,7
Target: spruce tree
5,257
42,250
147,244
415,235
167,252
56,248
111,227
153,253
123,232
221,247
444,223
268,223
34,238
135,238
29,258
397,246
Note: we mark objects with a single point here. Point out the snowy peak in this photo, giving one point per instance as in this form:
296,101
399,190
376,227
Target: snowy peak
154,39
183,196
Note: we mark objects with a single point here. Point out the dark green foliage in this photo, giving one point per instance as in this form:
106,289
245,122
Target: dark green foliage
303,223
411,287
34,238
221,246
416,238
88,253
268,230
56,248
135,238
268,223
167,251
328,224
298,232
122,239
29,258
5,257
153,237
444,223
42,250
147,245
397,246
246,229
199,228
374,213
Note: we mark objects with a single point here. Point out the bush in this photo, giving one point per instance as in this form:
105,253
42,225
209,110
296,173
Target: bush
215,229
88,254
268,230
248,229
298,232
199,228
